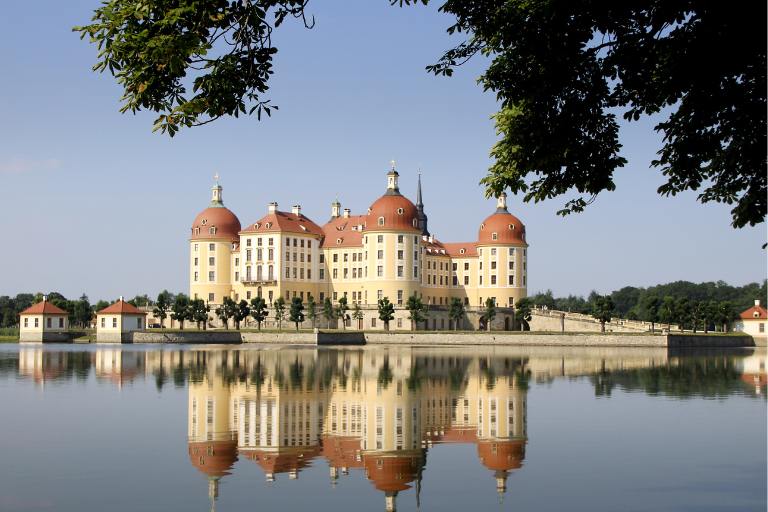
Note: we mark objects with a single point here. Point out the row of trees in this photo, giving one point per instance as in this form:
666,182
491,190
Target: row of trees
704,306
628,301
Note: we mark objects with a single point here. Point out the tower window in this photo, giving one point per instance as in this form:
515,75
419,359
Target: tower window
511,227
494,236
399,211
381,221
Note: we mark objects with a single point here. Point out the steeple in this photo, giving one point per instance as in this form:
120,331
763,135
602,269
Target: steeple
421,216
392,187
216,200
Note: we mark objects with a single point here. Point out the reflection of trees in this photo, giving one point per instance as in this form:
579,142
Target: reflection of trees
385,374
694,377
296,374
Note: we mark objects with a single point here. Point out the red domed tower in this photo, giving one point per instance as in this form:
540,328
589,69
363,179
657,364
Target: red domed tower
503,253
214,237
392,241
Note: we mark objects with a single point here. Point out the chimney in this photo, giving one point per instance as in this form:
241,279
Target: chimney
347,211
45,298
757,302
272,207
121,299
296,209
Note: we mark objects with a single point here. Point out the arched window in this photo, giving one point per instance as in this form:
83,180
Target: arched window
271,273
381,221
511,227
205,221
415,223
399,211
212,230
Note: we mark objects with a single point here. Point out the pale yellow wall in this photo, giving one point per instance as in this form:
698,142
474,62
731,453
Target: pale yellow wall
39,323
752,327
200,285
117,323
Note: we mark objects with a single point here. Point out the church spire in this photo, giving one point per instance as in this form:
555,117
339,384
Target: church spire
420,215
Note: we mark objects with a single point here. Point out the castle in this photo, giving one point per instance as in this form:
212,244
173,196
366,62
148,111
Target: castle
386,252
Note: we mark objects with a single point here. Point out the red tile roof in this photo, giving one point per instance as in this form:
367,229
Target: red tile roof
755,313
339,232
285,222
43,308
454,249
121,308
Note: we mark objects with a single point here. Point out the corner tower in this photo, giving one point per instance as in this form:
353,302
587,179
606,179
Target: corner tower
213,238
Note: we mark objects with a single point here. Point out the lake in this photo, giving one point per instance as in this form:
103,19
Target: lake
231,428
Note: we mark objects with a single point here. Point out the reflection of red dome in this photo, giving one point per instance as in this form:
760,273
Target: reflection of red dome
342,452
508,228
501,455
216,223
214,458
392,473
399,214
284,460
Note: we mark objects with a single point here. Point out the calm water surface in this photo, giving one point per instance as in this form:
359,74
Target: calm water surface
380,428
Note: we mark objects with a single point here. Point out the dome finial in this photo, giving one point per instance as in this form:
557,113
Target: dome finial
501,202
392,187
216,199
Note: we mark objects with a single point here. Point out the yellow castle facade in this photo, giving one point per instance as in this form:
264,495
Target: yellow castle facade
386,252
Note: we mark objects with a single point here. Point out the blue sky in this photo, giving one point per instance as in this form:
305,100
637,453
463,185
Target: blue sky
94,202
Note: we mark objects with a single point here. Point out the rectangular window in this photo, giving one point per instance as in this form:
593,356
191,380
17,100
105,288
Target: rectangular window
247,242
761,327
511,265
294,242
480,281
399,271
493,251
248,295
380,239
335,296
259,254
415,255
346,273
373,322
511,251
212,247
346,257
322,296
466,265
493,279
287,272
237,262
511,280
399,255
37,322
196,247
309,273
259,241
380,254
301,273
211,297
196,276
415,271
196,262
302,243
211,262
322,274
380,271
455,280
114,322
103,322
335,273
335,258
379,294
48,322
466,280
493,265
271,242
399,322
399,239
271,254
211,276
399,297
287,256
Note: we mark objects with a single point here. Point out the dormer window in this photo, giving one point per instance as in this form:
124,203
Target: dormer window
256,226
268,225
197,231
482,226
204,222
381,221
462,251
415,223
339,240
212,230
511,227
303,228
494,236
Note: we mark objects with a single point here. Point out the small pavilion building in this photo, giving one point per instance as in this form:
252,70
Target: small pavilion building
117,323
44,322
753,322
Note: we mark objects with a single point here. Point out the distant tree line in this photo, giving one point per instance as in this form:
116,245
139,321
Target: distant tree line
705,306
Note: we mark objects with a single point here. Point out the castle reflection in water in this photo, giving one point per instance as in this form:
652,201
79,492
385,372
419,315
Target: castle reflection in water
377,410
